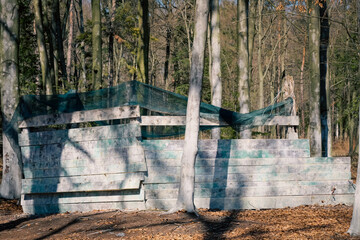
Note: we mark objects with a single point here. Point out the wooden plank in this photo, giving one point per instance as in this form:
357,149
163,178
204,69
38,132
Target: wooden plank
79,207
262,169
131,130
130,195
311,176
82,116
224,162
256,202
60,154
233,144
86,170
180,121
83,183
231,184
266,153
261,191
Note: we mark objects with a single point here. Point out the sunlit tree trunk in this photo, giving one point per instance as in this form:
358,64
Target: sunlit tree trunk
96,45
260,59
111,43
243,62
9,42
215,76
40,36
251,21
70,43
187,173
314,74
83,85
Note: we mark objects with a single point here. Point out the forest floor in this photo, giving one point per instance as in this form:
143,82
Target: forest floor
304,222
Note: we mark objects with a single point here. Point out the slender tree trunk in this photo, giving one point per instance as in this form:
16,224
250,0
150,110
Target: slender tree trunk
354,229
302,104
111,43
251,21
51,40
70,43
44,62
82,49
243,61
59,39
9,41
96,45
167,56
215,77
143,42
314,73
260,59
187,175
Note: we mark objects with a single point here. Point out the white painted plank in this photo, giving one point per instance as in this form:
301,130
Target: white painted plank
180,121
82,116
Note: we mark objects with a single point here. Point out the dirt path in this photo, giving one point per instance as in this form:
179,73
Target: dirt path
306,222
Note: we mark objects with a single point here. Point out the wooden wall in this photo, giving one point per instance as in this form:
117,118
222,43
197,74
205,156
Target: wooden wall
110,168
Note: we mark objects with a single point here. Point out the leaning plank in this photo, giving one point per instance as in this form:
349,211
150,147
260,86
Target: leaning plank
131,130
180,121
82,116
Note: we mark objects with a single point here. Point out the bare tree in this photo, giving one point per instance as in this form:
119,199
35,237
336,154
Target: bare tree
187,173
96,45
243,61
70,42
215,75
314,70
9,46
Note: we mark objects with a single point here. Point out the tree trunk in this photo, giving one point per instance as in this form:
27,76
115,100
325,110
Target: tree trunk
314,73
51,40
70,44
44,62
215,76
354,229
96,45
9,40
302,104
83,86
56,23
187,175
243,62
143,42
251,34
324,42
260,59
111,43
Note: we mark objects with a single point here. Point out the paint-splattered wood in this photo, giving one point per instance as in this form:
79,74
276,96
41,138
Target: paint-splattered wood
181,121
80,207
311,176
256,202
261,191
233,144
85,170
80,134
102,182
82,116
129,195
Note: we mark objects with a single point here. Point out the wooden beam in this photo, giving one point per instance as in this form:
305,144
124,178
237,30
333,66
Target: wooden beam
204,121
82,116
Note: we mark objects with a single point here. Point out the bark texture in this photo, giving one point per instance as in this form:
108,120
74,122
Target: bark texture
354,229
11,174
243,62
215,75
70,42
96,45
314,73
143,42
187,173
